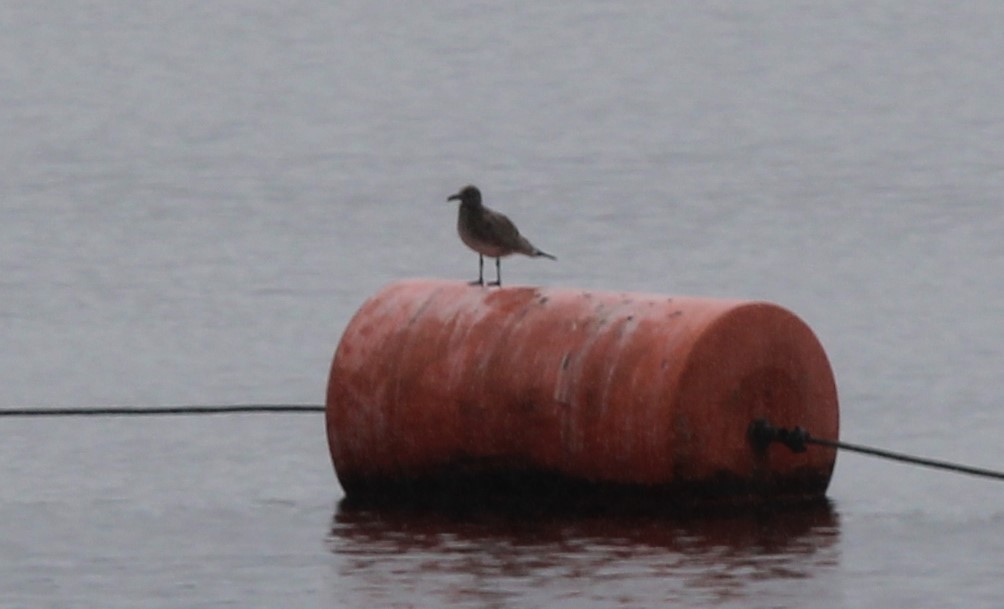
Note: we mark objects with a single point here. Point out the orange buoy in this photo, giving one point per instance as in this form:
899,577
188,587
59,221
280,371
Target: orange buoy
442,387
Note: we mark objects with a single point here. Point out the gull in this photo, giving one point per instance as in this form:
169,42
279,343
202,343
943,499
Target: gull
489,233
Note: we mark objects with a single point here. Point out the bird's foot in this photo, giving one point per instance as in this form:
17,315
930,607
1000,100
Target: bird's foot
496,283
480,282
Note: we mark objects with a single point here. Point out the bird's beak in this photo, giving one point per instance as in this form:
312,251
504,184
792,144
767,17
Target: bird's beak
455,197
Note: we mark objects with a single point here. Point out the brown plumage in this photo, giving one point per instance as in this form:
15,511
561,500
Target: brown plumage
489,233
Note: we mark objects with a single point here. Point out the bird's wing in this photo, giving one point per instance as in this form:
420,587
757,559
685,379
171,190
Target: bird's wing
501,228
506,232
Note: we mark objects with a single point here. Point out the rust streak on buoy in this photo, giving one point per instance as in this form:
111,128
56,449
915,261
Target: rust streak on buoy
435,379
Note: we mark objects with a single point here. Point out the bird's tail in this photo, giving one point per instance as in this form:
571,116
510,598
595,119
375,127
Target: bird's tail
539,253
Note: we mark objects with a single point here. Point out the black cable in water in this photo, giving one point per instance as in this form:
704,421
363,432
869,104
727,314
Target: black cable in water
762,434
886,454
158,410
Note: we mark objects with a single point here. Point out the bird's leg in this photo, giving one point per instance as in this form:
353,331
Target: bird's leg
498,273
481,271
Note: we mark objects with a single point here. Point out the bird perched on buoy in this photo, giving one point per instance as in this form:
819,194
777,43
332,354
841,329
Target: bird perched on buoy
489,233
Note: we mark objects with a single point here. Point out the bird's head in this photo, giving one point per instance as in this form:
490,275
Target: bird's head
468,194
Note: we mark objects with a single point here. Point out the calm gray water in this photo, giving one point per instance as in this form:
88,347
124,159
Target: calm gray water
196,197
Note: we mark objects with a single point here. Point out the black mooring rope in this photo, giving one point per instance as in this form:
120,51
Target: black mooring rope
157,410
762,434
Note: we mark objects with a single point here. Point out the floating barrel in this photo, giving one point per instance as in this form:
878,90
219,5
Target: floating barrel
443,388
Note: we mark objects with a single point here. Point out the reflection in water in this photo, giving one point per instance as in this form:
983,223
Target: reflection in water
403,559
